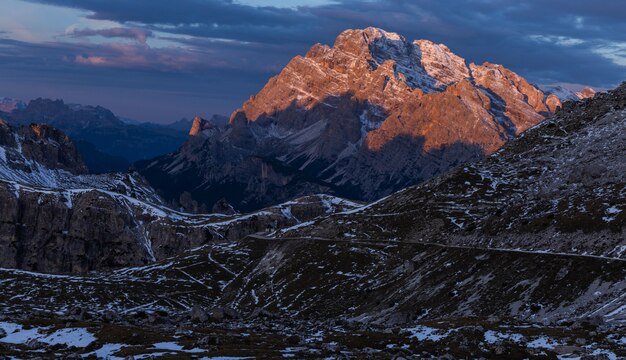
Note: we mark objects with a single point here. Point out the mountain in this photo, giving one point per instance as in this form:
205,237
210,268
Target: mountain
98,161
28,148
108,143
130,121
563,93
57,218
517,256
369,116
181,125
558,188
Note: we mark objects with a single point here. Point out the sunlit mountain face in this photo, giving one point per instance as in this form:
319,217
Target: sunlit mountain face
329,179
362,119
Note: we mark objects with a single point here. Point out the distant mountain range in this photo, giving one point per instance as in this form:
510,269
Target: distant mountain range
106,142
369,116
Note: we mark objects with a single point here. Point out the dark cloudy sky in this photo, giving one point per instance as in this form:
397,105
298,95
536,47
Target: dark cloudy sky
160,60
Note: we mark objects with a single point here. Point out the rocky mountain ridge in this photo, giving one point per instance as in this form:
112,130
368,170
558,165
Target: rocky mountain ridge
38,145
558,188
106,143
520,255
57,218
371,115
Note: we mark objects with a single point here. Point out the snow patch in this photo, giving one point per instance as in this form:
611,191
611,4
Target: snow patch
543,342
611,213
495,336
17,334
427,333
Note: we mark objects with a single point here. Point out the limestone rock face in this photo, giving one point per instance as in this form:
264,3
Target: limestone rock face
80,230
368,116
199,125
553,103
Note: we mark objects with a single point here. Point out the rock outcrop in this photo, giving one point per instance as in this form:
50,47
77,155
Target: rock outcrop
362,119
41,144
199,125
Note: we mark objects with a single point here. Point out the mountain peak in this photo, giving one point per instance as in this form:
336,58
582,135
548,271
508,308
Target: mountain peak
365,117
586,93
38,144
422,64
367,35
199,124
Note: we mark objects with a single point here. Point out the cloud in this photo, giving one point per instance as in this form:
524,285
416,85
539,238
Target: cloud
148,90
182,12
614,51
558,40
90,60
140,35
141,57
574,41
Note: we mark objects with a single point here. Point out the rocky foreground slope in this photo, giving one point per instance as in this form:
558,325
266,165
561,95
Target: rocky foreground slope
517,256
56,218
560,187
361,119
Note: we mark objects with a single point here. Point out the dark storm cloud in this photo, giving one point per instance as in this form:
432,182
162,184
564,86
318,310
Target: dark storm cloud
207,17
181,12
574,41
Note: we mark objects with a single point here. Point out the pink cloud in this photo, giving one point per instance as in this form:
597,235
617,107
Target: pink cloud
90,60
139,35
144,57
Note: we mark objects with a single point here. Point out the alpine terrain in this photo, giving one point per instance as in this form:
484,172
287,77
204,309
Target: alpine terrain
57,218
369,116
519,255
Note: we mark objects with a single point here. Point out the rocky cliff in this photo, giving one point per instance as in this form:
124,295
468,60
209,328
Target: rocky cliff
364,118
56,218
38,144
